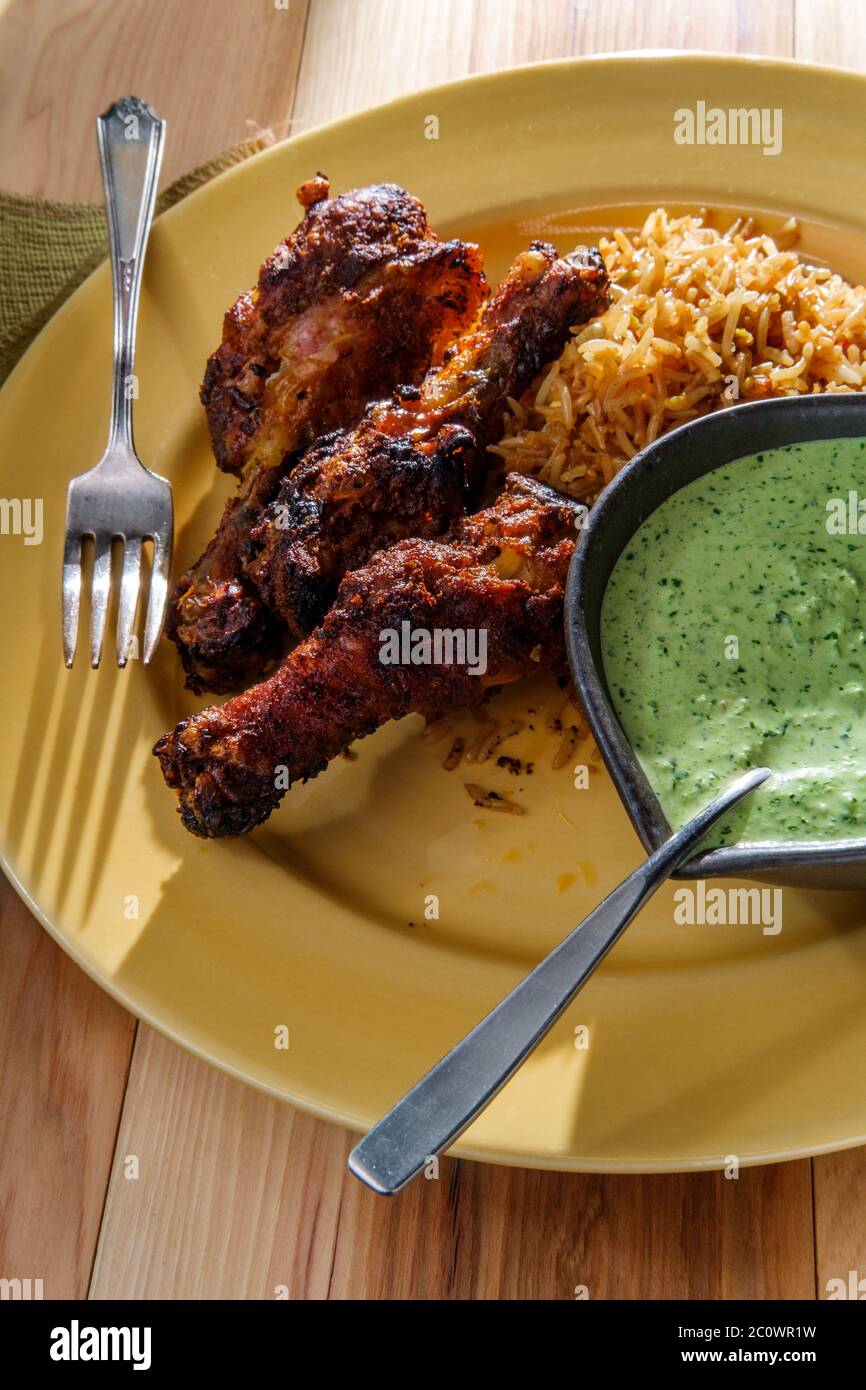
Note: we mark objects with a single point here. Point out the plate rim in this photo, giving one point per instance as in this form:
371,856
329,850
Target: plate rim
641,56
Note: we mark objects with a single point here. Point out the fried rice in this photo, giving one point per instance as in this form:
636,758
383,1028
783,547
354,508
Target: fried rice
699,319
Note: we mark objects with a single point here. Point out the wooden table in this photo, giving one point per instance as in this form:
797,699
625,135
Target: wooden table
237,1196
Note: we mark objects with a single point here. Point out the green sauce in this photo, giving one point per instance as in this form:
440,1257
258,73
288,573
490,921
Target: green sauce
733,637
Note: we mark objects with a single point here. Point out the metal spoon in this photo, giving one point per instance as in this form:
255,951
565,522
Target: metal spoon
444,1102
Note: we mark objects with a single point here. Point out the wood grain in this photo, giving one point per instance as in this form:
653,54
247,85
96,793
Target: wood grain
216,70
66,1048
240,1197
840,1219
830,31
237,1196
499,1233
380,49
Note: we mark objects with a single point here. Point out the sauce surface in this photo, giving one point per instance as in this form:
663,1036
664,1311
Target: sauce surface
733,636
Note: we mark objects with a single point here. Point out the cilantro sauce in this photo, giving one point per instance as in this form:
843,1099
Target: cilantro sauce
733,636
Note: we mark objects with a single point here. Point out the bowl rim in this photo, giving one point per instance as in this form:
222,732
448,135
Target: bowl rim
720,431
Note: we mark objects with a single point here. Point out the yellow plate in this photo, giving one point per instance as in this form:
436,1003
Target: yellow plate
704,1042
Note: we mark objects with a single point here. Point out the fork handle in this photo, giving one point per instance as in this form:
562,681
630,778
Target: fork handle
130,136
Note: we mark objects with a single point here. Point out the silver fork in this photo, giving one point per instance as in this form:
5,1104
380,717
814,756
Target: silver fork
119,498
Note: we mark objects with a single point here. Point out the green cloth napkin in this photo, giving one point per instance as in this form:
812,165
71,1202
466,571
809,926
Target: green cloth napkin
47,249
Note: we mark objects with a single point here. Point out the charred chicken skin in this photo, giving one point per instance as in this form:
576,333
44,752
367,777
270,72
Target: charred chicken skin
414,463
501,571
361,297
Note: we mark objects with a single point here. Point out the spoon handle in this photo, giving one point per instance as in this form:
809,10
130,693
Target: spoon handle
437,1110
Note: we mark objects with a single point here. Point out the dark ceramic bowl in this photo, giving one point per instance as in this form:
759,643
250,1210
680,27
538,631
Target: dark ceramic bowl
652,476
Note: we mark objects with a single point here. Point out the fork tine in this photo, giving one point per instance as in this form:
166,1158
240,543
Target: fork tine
156,603
129,585
71,595
99,599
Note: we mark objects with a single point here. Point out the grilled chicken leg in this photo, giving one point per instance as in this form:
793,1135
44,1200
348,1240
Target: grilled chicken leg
361,297
501,571
414,462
